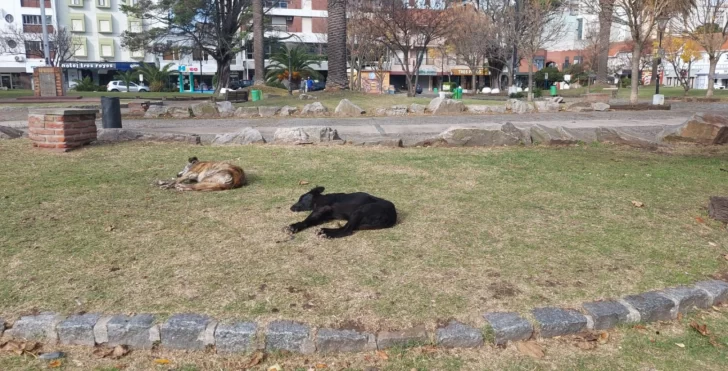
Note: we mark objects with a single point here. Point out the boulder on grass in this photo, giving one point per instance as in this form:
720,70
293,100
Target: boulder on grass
477,108
523,135
156,112
268,111
417,109
474,137
10,133
579,107
701,128
396,110
552,136
306,97
205,110
626,137
519,106
245,112
347,108
440,106
315,108
306,134
600,106
245,136
225,108
547,106
179,112
288,111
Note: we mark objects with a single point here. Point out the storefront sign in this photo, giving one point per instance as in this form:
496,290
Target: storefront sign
183,68
121,66
427,72
467,72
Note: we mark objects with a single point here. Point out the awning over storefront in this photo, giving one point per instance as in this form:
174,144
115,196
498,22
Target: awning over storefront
468,72
119,66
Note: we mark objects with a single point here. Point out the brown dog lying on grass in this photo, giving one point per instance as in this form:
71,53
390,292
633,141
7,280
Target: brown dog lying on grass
206,176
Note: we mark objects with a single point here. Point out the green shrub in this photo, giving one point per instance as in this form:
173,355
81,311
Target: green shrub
516,95
276,84
625,82
537,93
85,85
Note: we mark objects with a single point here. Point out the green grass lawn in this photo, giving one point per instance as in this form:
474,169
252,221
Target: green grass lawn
646,92
479,230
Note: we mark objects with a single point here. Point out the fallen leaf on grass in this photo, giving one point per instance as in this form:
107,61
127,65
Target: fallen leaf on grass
302,182
681,345
712,244
530,348
699,220
679,317
275,367
715,308
638,204
109,228
429,349
20,348
382,355
255,359
161,361
701,329
603,338
639,327
321,365
119,351
55,364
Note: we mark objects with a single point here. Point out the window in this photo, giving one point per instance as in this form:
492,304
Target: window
580,29
578,60
80,47
103,3
199,55
75,2
137,54
34,3
538,63
36,19
77,23
566,63
135,25
106,47
105,25
171,55
33,49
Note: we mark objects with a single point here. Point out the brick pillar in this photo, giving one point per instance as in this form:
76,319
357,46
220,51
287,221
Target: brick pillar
62,129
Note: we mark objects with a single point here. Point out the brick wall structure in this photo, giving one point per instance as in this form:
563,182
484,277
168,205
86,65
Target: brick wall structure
62,129
57,71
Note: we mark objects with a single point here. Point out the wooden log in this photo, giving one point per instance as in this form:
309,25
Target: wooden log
718,208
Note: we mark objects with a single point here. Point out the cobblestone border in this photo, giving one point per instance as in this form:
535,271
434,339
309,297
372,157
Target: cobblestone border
198,332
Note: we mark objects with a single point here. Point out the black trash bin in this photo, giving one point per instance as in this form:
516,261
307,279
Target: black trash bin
111,113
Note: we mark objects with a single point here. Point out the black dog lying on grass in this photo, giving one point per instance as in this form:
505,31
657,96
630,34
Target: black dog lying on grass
360,210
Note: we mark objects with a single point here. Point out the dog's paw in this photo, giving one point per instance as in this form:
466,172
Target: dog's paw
293,228
182,187
324,233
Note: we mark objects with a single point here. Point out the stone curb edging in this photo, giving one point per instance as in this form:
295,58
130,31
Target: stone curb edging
197,332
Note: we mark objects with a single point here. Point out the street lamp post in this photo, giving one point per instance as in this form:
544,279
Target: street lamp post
290,74
661,24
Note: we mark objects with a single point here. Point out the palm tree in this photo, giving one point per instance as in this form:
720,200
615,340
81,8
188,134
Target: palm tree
157,77
299,60
258,45
127,77
336,45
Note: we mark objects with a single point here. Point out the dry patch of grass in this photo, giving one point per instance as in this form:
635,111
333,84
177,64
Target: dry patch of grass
478,230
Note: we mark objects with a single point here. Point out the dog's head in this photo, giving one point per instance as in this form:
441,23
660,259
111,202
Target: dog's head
306,201
190,162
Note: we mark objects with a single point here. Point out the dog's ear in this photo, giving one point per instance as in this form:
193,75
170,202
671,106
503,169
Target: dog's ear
192,160
317,191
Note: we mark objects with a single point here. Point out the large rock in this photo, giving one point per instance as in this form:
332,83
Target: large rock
396,110
551,136
687,298
600,106
315,108
245,136
347,108
225,108
440,106
156,112
236,337
179,112
268,111
606,314
652,306
417,109
508,326
624,136
559,322
477,108
135,331
184,331
523,135
289,336
10,133
717,290
701,128
547,106
473,137
408,337
458,335
306,134
579,107
41,327
78,330
343,341
288,111
520,107
306,97
245,112
205,110
117,135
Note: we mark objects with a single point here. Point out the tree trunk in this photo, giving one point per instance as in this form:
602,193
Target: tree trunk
258,45
336,45
711,76
605,28
636,53
223,75
473,79
530,79
352,86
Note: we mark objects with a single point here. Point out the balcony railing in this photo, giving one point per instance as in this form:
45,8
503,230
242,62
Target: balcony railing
36,28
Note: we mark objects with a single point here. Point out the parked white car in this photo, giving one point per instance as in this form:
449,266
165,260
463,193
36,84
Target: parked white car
118,85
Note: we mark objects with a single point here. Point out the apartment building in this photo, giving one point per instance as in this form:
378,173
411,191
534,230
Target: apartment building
97,26
17,61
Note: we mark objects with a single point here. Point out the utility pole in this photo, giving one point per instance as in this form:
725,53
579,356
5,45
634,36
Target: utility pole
44,24
515,43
